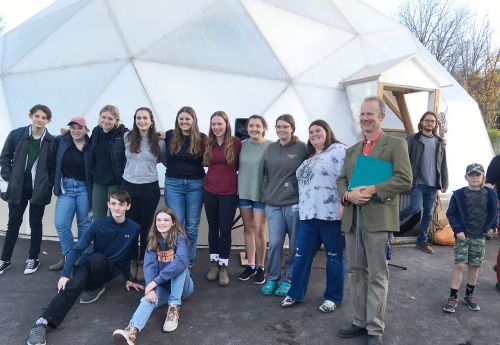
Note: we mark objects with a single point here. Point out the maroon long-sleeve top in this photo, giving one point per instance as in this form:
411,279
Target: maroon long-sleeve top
221,178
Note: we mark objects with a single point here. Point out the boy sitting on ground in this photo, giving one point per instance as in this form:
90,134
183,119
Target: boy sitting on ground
472,212
113,237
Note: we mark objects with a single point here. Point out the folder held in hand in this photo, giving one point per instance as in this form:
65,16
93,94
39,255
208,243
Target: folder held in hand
369,171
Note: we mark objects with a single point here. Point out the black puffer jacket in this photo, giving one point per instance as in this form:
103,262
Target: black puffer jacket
13,163
117,150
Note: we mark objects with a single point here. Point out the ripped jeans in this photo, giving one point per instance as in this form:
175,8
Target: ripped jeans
311,234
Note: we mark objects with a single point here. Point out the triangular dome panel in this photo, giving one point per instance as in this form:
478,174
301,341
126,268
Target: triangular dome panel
363,18
329,105
67,91
288,103
171,87
6,121
323,11
149,24
387,41
28,35
335,68
55,6
96,42
127,99
223,39
297,41
373,54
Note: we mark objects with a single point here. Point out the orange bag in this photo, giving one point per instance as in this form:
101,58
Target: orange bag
444,236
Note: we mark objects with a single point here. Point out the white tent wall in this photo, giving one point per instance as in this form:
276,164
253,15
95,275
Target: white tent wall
245,57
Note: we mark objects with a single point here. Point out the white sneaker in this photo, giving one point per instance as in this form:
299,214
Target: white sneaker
327,306
172,320
31,266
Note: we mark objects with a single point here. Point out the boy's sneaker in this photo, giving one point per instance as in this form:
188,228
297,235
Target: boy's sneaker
4,265
451,306
37,335
125,336
172,320
288,302
260,276
470,303
247,273
31,266
91,296
327,306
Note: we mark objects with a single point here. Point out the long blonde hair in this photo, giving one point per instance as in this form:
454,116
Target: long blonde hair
154,235
195,146
113,111
228,141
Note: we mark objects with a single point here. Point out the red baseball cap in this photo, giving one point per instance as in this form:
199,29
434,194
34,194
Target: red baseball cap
79,121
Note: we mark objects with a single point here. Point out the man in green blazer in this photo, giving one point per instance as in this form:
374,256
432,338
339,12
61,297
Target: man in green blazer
378,207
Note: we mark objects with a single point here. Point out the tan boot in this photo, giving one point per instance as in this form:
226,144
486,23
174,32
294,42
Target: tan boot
172,319
133,269
213,272
58,265
223,277
140,271
125,336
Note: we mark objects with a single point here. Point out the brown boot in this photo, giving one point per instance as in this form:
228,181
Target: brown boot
140,271
213,272
424,246
223,277
58,265
125,336
133,269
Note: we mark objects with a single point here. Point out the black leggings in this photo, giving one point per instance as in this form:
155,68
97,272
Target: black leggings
220,210
145,198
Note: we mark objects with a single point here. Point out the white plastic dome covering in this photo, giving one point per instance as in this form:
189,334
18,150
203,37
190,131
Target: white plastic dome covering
245,57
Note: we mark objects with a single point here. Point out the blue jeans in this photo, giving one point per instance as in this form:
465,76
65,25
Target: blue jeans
75,200
421,199
311,234
281,220
181,287
185,198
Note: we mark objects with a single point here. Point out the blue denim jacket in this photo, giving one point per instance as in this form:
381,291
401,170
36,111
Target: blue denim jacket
64,142
457,211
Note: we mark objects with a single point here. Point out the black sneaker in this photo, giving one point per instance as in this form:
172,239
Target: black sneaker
247,273
260,276
91,296
4,265
31,266
451,305
37,335
470,302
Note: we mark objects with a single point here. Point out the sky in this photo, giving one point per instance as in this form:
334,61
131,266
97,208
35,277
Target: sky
17,11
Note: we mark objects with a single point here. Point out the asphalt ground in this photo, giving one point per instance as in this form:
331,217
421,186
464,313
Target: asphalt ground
239,314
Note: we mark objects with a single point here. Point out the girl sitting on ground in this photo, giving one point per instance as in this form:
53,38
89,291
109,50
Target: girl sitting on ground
166,274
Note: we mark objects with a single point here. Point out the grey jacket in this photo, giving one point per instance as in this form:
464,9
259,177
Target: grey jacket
13,163
279,185
415,150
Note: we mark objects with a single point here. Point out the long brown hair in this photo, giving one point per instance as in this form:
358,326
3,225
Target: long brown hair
330,137
195,146
134,136
154,235
291,121
420,123
228,141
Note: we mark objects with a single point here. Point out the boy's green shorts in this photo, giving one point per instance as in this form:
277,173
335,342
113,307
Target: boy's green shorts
470,251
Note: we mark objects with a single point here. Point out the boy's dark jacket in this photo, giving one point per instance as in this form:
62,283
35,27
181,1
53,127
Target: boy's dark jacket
13,163
457,211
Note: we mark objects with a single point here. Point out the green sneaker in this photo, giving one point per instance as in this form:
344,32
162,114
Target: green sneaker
269,288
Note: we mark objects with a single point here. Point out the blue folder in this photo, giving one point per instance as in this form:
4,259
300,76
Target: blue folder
369,171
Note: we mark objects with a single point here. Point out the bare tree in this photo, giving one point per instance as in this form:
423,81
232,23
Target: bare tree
461,44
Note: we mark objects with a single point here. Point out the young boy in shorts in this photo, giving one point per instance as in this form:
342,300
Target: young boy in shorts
112,237
472,212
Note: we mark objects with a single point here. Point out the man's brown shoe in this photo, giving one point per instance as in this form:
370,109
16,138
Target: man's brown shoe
424,246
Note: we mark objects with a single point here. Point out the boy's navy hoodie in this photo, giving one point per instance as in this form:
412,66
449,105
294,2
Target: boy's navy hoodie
457,211
111,239
166,263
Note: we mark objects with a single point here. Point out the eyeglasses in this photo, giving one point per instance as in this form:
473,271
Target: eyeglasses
430,121
282,127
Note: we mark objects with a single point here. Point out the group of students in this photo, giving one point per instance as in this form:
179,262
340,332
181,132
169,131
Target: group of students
290,184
